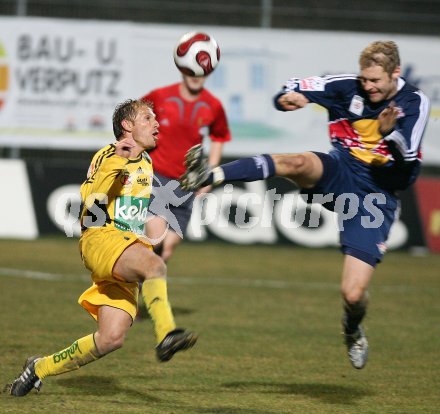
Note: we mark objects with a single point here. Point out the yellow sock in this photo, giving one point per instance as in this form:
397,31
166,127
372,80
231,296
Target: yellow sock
154,292
80,353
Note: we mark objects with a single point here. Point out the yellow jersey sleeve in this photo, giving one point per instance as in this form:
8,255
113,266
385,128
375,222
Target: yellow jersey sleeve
103,170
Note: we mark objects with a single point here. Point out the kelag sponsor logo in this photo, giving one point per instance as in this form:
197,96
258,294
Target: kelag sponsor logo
66,353
131,213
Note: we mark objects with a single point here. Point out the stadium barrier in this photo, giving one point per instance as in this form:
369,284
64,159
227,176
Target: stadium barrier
17,212
45,200
61,79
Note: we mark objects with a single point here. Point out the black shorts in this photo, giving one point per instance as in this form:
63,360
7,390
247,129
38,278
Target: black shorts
171,202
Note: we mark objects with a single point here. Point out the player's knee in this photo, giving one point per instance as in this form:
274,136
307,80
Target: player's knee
110,342
353,296
291,165
117,342
156,268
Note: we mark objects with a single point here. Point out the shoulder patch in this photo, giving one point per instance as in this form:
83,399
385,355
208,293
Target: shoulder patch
357,105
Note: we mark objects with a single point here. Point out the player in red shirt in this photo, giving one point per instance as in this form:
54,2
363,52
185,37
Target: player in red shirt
187,113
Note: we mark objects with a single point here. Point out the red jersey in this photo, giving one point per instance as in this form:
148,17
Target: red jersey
182,125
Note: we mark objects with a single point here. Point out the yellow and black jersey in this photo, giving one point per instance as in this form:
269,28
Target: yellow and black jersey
117,191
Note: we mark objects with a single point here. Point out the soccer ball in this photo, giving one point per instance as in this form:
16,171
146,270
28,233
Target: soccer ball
196,54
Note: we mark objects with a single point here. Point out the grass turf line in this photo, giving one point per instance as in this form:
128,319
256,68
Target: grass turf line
269,325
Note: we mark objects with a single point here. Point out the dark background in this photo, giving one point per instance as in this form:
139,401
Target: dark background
390,16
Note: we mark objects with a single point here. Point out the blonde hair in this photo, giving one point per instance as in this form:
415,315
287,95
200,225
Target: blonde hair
127,110
381,53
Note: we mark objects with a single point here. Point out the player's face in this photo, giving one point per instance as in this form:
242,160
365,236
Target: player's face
194,84
145,128
378,84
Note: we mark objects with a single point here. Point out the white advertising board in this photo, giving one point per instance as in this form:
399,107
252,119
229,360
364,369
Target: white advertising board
18,213
61,79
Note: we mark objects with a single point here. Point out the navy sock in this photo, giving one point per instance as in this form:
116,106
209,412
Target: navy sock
353,316
247,169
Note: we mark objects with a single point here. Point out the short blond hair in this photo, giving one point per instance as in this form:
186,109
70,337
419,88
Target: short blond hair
127,110
381,53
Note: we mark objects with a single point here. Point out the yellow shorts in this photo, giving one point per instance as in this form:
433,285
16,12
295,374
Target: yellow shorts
100,248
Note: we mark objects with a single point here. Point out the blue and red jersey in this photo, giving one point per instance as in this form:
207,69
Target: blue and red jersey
354,126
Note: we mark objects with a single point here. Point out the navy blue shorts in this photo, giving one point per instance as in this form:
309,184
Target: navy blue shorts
170,201
365,210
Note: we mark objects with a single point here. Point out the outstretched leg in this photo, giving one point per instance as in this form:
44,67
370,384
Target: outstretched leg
113,325
304,169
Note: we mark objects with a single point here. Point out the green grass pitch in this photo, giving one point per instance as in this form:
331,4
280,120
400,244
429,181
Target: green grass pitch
269,326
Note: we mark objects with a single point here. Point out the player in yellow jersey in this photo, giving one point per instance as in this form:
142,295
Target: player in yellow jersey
115,197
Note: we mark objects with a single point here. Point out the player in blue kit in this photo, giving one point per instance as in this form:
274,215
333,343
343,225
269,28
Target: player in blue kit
376,124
